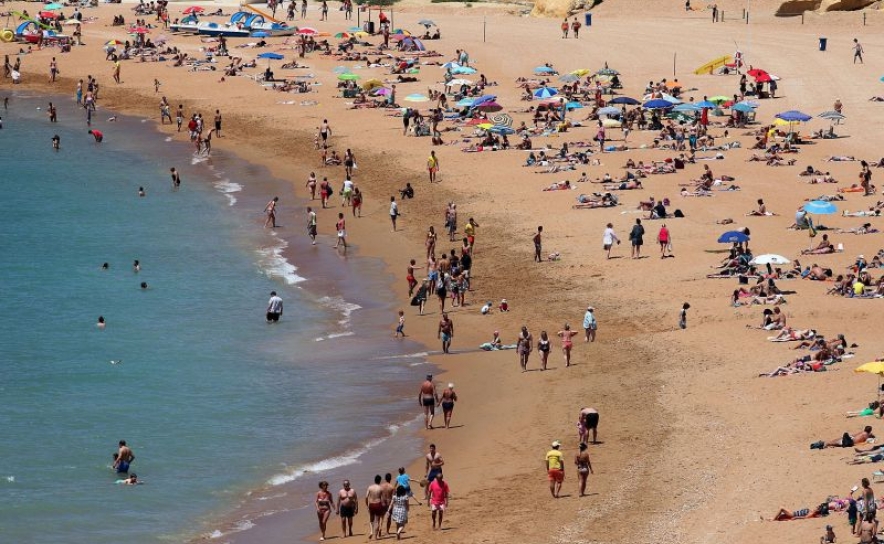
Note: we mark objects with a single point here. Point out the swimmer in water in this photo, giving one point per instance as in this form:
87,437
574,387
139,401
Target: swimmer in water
131,480
105,266
176,179
136,266
141,192
101,324
144,285
56,142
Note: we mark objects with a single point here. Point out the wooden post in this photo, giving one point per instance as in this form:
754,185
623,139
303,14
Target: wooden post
802,18
747,17
484,26
674,56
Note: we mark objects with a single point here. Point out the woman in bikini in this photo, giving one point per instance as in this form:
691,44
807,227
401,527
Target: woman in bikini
584,468
324,501
431,241
566,335
523,346
543,348
311,184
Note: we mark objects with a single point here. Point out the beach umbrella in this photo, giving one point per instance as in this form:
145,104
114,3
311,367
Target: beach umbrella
341,70
793,116
545,92
720,99
53,7
770,258
568,78
348,77
607,110
398,37
608,72
831,115
669,98
450,65
372,84
402,31
733,237
48,15
875,367
458,82
464,102
271,56
501,120
574,106
307,31
504,131
687,108
820,207
580,72
193,9
484,98
71,22
475,121
139,30
463,70
484,125
742,107
343,35
755,72
489,106
417,98
544,70
750,103
657,104
706,105
763,78
381,91
354,29
114,42
426,22
624,100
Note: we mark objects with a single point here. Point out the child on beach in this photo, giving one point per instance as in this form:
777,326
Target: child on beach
400,327
683,316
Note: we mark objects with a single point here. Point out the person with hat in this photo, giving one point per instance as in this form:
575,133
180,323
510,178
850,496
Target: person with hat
447,400
428,398
555,469
589,324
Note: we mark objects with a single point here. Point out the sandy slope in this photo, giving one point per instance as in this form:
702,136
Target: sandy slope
695,447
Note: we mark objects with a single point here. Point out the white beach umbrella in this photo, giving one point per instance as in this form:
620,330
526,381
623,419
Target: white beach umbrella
770,258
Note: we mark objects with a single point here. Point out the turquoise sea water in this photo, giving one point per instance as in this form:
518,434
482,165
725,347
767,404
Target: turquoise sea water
213,401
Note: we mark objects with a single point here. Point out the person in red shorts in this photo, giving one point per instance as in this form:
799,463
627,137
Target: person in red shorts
555,468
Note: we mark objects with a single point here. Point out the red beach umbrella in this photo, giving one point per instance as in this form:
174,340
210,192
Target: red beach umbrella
48,15
193,9
755,72
763,78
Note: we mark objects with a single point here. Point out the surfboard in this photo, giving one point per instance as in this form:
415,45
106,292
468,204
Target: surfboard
710,66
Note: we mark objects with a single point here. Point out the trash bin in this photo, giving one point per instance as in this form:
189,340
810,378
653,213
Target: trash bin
588,18
369,27
823,42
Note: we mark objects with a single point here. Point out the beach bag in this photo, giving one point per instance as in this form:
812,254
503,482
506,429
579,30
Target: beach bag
846,441
678,213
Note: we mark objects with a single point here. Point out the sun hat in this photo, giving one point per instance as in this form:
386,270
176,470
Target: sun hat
450,386
556,444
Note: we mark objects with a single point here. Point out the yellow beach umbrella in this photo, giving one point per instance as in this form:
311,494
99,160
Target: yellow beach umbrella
372,84
875,367
485,126
580,72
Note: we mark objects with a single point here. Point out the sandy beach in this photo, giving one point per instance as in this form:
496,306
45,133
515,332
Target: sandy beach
694,445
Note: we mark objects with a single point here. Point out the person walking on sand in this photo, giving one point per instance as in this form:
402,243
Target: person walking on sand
567,343
428,398
324,130
53,70
538,245
543,349
664,238
374,501
433,465
116,71
555,469
683,316
433,166
341,227
311,225
446,332
438,496
524,345
348,507
565,27
636,236
274,308
575,28
446,401
590,325
588,420
270,210
584,468
857,51
608,239
323,502
394,212
398,511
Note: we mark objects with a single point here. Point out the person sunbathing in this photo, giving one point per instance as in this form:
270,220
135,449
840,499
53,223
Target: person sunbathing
817,273
827,178
872,212
802,513
789,334
847,440
854,188
761,210
795,367
873,408
624,186
841,158
560,186
826,249
866,228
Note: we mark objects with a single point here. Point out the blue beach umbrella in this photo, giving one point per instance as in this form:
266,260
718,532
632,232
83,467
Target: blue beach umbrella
569,78
545,92
341,70
687,108
482,99
733,237
463,70
624,100
544,70
742,107
609,110
272,56
450,65
793,115
497,129
706,105
573,106
820,207
657,104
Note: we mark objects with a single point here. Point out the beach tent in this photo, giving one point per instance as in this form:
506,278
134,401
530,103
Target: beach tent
820,207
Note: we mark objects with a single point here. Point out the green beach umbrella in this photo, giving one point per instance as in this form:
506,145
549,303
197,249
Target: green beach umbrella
53,7
348,77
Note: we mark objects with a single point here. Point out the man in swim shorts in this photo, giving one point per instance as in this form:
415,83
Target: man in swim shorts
555,468
438,492
434,463
428,398
348,507
588,420
124,458
376,509
446,332
274,308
